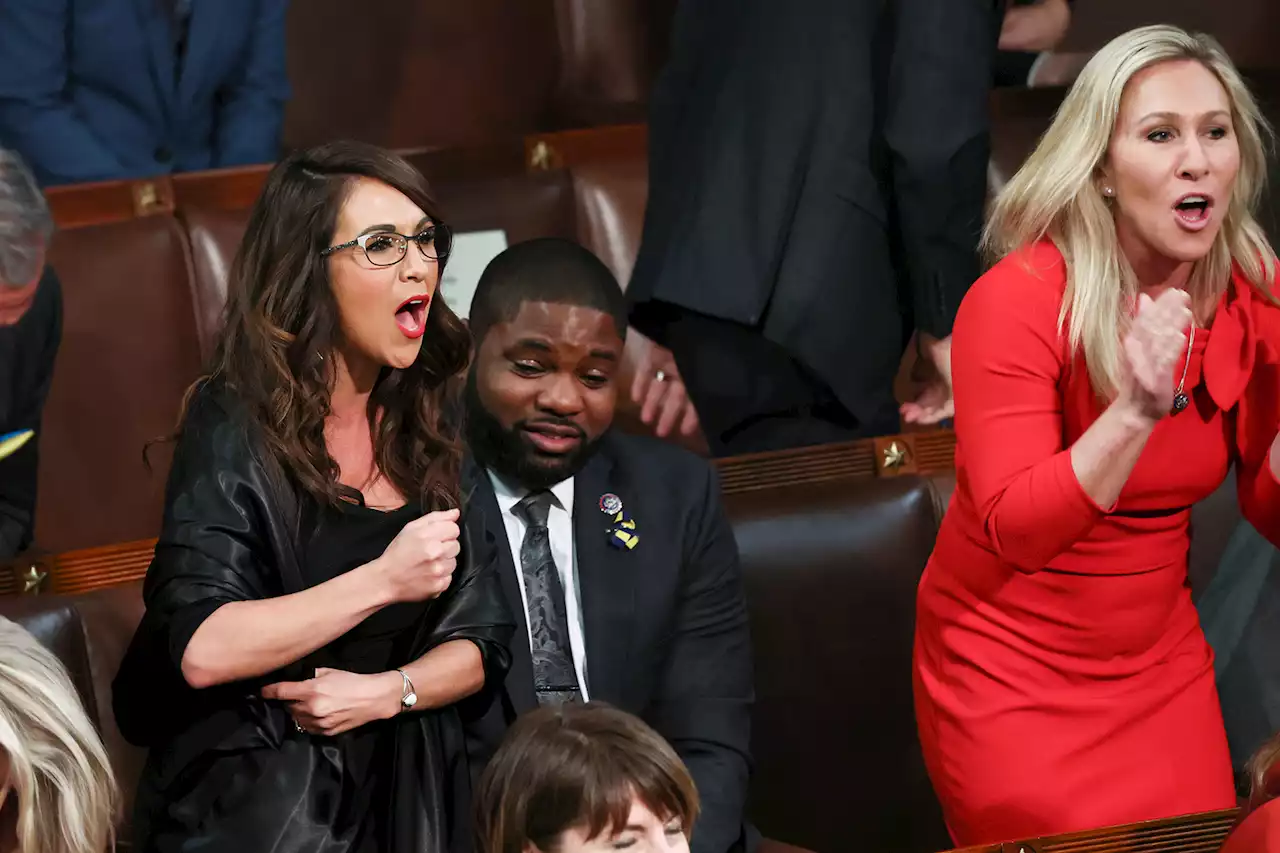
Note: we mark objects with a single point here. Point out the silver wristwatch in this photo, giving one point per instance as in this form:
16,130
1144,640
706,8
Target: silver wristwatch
409,698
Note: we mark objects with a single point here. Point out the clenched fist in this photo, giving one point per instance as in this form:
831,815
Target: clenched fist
419,562
1155,350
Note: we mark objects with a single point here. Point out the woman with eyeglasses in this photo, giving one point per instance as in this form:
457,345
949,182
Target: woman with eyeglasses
313,613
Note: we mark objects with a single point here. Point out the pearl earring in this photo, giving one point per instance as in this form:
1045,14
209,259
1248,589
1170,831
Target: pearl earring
1107,191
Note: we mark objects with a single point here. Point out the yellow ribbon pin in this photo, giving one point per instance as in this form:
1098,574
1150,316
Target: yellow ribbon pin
12,442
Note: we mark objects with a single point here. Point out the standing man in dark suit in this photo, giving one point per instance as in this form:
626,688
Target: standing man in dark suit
95,90
817,173
614,550
30,332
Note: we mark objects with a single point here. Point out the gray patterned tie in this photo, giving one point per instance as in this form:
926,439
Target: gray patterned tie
554,678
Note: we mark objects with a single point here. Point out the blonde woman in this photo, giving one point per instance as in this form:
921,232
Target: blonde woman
57,792
1109,369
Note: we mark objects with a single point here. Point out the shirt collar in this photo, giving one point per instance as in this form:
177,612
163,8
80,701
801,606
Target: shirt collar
509,494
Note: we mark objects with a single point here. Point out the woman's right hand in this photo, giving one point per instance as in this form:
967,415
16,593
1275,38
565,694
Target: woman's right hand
419,562
1155,350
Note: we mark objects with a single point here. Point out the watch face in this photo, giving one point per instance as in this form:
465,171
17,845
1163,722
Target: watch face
410,700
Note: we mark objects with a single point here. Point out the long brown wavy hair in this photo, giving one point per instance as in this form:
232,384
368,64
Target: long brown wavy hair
281,323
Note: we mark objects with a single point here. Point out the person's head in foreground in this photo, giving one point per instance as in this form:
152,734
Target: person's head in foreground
57,791
584,778
26,227
1149,174
548,319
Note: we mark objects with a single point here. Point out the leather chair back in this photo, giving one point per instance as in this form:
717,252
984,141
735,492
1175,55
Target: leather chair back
129,351
413,73
215,237
831,570
610,197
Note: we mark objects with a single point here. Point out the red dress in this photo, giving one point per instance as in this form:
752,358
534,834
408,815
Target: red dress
1062,680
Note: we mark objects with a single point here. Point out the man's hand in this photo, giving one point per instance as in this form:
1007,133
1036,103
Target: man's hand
935,403
1035,28
657,387
336,701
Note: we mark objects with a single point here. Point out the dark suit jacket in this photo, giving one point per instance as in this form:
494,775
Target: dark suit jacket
665,623
27,353
90,89
820,173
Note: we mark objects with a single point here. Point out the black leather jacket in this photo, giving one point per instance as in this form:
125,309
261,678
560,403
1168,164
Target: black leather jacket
227,769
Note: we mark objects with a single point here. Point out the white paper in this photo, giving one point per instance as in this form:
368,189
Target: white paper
471,253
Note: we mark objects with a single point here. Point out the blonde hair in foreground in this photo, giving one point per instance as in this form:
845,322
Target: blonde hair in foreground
58,768
1056,195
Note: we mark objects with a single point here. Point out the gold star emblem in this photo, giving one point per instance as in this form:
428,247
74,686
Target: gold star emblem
895,455
540,156
32,580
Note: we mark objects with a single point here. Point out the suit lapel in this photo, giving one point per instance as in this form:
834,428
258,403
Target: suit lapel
482,500
605,581
158,33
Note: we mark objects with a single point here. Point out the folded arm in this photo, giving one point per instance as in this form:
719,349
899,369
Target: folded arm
465,634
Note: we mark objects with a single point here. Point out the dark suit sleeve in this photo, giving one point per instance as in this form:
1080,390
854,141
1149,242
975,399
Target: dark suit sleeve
18,473
35,117
703,703
251,106
937,133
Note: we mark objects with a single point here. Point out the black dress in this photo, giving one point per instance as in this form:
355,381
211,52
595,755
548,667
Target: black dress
227,771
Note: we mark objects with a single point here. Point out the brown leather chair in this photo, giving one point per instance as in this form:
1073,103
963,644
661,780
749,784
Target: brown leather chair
410,73
1018,119
215,237
831,570
129,351
610,54
461,73
610,197
524,205
1246,28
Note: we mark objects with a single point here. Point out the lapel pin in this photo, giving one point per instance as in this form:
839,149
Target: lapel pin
622,530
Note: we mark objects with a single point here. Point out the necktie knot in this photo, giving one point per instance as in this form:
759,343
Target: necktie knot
534,508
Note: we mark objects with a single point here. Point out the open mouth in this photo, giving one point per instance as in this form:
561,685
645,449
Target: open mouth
411,316
555,439
1193,211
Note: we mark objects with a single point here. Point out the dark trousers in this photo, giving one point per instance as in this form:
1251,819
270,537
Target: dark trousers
751,395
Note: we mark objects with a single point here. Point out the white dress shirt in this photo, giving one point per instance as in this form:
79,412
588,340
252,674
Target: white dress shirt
560,527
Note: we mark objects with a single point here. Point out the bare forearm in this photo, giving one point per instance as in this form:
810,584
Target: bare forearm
244,639
448,673
1104,456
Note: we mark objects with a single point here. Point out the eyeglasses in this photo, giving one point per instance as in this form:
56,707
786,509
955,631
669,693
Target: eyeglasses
387,248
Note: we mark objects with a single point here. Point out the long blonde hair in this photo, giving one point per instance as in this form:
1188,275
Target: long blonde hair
58,767
1055,195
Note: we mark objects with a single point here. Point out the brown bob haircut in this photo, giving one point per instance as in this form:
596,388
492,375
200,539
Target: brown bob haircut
577,766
